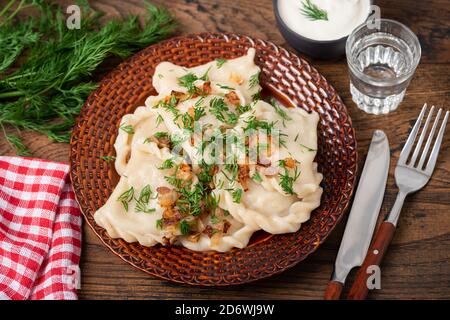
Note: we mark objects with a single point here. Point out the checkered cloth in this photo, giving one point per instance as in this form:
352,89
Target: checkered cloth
40,230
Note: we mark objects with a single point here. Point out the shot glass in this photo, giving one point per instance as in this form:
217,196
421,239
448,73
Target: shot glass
382,56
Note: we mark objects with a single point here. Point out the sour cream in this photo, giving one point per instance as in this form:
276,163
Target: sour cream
343,17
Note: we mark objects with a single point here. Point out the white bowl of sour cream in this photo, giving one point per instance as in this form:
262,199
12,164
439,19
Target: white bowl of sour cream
319,28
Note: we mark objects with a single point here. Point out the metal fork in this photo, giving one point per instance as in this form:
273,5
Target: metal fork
410,176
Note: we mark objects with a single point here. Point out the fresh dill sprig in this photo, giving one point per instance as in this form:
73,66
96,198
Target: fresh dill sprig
254,80
46,70
308,148
159,224
126,197
220,62
243,108
185,228
161,134
313,12
236,194
220,110
18,145
225,87
159,120
188,80
108,158
279,110
286,180
167,164
143,199
256,96
257,177
127,128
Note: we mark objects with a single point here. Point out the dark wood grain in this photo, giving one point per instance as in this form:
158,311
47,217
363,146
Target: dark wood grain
375,255
333,290
417,264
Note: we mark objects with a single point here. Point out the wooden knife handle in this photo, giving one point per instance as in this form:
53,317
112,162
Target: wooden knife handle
333,291
374,256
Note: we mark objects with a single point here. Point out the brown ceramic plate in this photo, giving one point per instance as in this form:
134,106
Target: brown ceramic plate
283,74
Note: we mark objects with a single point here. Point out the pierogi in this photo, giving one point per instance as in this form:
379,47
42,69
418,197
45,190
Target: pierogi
206,162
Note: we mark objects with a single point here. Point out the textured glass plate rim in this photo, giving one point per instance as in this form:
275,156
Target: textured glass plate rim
343,210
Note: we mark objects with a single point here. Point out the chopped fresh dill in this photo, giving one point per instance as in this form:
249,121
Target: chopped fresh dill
220,110
126,197
255,124
286,180
308,148
108,158
236,194
279,110
257,177
225,87
214,219
167,164
187,81
257,96
159,120
220,62
254,80
313,12
127,128
185,228
18,145
243,108
199,112
161,134
142,201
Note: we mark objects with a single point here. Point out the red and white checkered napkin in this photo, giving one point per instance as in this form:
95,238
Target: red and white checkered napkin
40,230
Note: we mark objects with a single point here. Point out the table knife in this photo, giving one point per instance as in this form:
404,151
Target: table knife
363,214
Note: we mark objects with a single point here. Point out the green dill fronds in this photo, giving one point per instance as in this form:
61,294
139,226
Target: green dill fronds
127,128
313,12
167,164
256,96
308,148
161,134
225,87
46,69
159,224
185,228
18,145
279,110
220,110
220,62
143,199
257,177
237,194
243,108
126,197
108,158
254,80
159,120
286,180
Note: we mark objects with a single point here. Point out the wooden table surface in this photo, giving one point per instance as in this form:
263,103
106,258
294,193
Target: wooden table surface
417,265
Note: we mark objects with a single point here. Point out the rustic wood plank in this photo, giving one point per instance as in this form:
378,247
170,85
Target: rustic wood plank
417,265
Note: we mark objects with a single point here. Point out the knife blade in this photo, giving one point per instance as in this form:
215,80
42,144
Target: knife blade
363,214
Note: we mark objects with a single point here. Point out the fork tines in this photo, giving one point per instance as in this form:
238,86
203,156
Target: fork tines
406,152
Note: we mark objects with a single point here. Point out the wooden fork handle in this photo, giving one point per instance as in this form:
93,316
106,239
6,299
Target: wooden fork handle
333,291
374,257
